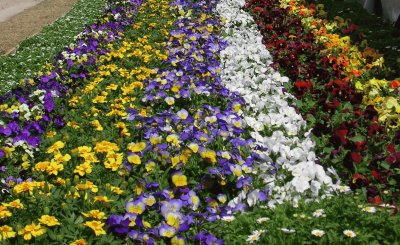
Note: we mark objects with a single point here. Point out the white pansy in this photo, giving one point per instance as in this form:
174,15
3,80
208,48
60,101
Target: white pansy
246,69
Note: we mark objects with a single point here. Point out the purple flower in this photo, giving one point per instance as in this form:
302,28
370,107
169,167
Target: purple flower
173,205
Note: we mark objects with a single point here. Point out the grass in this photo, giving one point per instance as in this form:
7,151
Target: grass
35,51
339,213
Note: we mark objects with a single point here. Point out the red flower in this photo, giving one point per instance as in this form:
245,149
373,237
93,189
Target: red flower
394,158
376,175
342,134
350,29
258,10
373,129
390,148
375,200
356,157
333,105
361,145
303,84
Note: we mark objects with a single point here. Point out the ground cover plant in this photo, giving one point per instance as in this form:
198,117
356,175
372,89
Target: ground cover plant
166,123
34,52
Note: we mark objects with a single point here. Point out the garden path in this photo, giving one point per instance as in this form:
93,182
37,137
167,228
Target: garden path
20,19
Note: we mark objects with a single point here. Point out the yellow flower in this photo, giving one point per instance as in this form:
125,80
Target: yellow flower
8,151
49,220
41,166
135,159
154,139
175,160
82,150
103,199
4,212
179,180
14,204
116,190
113,161
194,147
60,181
99,99
23,187
55,147
6,232
54,167
86,186
136,147
31,230
95,214
96,226
150,166
51,134
137,208
62,158
79,242
177,241
97,124
173,139
105,146
209,155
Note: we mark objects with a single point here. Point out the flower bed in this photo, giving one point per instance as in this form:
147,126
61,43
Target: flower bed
350,135
162,124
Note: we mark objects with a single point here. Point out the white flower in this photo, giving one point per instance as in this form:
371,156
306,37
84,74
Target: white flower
259,231
262,220
253,238
369,209
318,213
349,233
228,218
288,231
318,233
344,189
246,69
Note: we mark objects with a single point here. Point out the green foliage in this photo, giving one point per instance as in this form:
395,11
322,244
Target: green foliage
339,213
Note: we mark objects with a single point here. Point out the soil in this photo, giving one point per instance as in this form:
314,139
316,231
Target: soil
20,19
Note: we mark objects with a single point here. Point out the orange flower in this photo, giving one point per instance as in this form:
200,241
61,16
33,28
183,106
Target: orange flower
395,84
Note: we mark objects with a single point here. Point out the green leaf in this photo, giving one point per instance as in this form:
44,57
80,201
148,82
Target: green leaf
79,220
357,138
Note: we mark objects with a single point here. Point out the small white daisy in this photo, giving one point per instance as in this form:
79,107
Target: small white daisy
228,218
259,232
253,238
349,233
288,231
318,213
318,233
344,189
369,210
262,220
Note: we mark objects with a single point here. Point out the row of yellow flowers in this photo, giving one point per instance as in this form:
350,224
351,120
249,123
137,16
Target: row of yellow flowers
94,110
381,93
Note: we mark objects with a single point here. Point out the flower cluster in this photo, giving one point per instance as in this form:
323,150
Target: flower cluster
274,123
325,68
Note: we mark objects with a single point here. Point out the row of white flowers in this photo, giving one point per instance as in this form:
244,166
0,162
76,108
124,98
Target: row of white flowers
246,69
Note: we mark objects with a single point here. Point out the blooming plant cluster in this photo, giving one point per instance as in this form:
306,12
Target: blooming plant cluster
143,118
333,84
274,123
163,119
29,110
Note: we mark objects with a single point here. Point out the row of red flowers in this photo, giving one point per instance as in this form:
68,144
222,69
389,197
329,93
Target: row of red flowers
347,132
